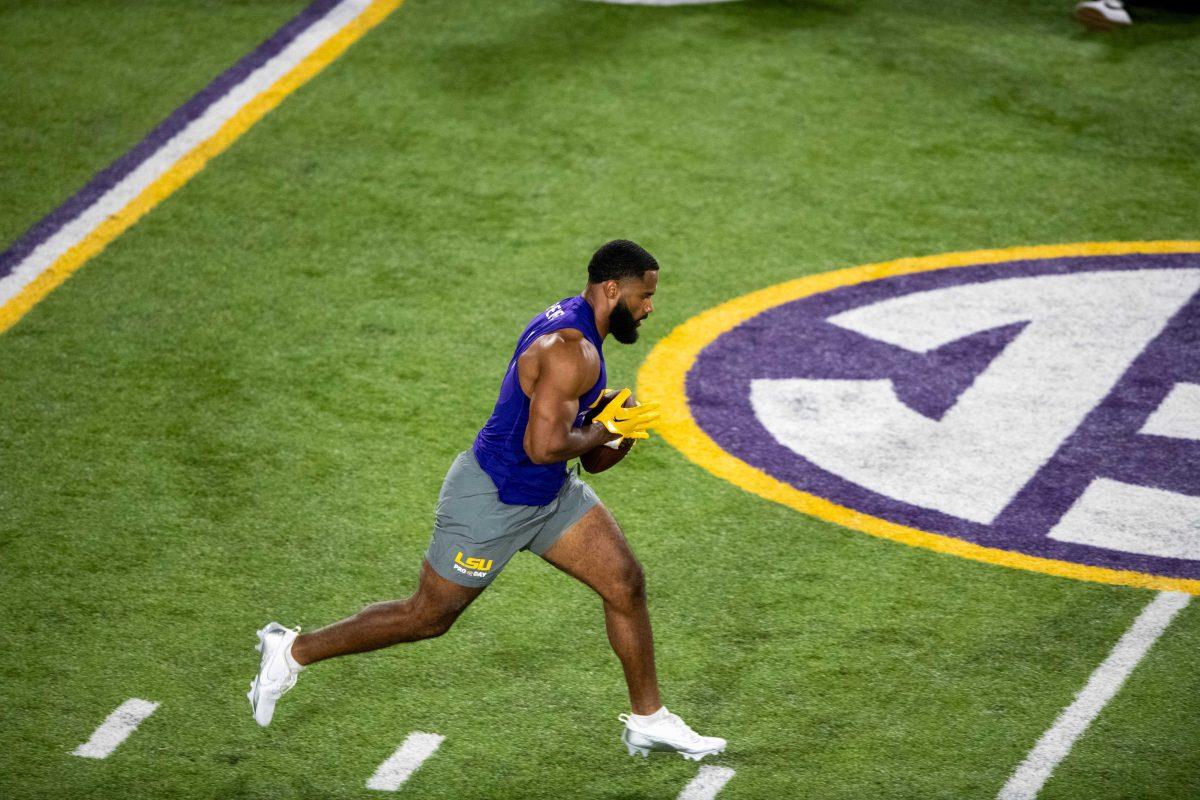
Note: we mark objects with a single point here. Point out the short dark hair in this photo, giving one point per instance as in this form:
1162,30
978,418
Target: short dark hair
618,259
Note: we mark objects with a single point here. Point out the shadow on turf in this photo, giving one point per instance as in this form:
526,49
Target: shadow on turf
1008,81
1151,26
575,36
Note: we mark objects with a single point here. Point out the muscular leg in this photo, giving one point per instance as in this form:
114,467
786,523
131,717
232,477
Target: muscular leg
594,551
429,612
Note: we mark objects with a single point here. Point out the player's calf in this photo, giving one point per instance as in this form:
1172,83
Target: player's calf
377,626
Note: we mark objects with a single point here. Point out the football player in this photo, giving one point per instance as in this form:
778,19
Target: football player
511,491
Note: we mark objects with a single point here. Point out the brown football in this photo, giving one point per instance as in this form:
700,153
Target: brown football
604,456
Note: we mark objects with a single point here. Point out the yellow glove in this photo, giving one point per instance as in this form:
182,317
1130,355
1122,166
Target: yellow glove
631,423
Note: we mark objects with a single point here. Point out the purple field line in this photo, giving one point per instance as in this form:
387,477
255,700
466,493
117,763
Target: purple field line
177,121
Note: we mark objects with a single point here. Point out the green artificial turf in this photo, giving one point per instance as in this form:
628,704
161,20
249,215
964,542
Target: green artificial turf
82,81
243,409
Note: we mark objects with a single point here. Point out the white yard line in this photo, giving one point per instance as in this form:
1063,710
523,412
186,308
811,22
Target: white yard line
115,729
174,150
407,759
1057,742
707,783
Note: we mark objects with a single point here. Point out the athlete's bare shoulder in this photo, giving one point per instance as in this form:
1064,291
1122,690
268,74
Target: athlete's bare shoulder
565,356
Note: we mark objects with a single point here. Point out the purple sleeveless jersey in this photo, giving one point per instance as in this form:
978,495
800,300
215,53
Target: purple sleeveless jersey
500,446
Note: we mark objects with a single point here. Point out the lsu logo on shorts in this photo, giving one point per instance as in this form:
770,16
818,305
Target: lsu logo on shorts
1036,407
474,567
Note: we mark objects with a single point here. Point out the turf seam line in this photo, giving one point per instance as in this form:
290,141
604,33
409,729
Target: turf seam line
177,149
116,728
709,781
1102,686
408,758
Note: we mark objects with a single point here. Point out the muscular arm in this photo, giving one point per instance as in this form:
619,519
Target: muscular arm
555,372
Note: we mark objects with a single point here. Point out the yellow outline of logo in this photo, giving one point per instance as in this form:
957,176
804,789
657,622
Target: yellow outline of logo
663,374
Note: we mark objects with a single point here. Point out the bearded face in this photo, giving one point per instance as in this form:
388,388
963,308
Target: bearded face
623,325
634,304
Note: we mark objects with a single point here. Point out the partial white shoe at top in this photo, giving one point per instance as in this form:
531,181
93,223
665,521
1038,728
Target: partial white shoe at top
275,674
1103,15
665,732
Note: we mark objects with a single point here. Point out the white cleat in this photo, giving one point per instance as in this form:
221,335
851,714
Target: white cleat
1103,15
668,734
275,675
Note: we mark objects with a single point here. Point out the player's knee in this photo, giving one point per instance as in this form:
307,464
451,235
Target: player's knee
629,588
438,614
438,622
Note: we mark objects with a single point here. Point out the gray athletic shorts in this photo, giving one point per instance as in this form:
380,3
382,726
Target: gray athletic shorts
475,534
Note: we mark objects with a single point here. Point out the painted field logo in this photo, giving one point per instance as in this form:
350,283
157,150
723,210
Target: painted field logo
1037,407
